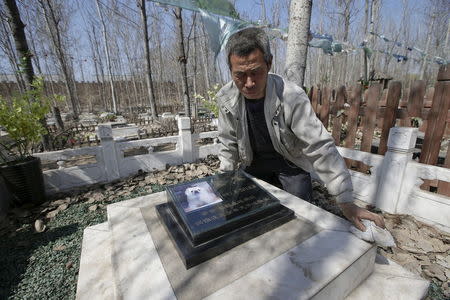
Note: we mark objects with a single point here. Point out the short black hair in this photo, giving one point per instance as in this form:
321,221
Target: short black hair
244,42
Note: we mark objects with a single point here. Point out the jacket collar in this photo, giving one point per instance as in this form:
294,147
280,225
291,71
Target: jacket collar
232,96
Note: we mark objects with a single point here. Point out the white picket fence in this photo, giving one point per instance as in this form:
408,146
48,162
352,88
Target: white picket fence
393,183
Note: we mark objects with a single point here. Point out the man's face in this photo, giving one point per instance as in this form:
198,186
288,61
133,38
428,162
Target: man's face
249,73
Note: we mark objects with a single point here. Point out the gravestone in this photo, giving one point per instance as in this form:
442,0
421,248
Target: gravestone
209,216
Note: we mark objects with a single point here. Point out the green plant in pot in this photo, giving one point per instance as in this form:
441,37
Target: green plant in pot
21,119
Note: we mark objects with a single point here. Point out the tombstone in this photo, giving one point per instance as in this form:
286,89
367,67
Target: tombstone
313,256
122,131
209,216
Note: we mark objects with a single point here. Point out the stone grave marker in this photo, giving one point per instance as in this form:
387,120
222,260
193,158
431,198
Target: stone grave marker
209,216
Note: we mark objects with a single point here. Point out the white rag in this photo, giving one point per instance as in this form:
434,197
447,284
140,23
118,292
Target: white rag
373,233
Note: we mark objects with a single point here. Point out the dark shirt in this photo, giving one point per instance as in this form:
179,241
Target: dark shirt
267,164
258,133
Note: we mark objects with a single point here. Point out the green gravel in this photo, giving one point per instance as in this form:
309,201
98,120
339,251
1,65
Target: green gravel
45,265
435,291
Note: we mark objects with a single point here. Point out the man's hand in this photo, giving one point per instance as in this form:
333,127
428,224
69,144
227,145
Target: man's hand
355,214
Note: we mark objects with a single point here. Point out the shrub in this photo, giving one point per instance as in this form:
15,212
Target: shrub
210,101
21,119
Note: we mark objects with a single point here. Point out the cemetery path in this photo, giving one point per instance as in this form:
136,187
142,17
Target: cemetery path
41,246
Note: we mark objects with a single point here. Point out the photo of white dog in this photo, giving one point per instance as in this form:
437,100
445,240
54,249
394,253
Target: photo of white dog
200,195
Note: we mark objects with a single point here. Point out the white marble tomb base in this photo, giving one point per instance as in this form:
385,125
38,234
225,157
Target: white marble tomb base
119,261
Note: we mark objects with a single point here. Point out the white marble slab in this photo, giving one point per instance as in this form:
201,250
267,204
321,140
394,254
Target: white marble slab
142,201
307,271
138,271
95,277
390,281
133,249
303,208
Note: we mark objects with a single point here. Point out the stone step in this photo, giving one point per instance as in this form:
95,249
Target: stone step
388,280
332,262
138,272
135,270
95,277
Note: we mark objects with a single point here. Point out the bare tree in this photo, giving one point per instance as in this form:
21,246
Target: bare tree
148,65
366,33
182,59
205,56
347,13
53,22
157,35
20,40
374,18
108,59
297,46
6,45
98,65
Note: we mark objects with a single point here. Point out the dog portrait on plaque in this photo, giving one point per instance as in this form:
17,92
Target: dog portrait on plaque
208,216
198,195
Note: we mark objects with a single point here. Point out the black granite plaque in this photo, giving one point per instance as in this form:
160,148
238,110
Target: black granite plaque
208,216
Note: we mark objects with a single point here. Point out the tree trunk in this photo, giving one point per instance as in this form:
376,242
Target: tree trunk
297,47
423,68
344,59
8,48
57,114
194,69
156,28
366,28
374,17
148,74
99,73
108,61
18,31
182,59
53,29
205,57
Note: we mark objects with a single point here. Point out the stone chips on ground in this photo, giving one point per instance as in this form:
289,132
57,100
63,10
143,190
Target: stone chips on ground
422,249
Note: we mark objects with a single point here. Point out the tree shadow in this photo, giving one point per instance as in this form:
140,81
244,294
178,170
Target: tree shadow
16,253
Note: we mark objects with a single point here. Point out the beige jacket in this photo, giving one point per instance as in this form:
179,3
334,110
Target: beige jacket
295,131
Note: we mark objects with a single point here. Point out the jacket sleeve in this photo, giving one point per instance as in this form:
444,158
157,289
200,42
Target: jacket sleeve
318,147
228,152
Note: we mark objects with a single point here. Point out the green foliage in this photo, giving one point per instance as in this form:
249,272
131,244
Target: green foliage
416,122
210,101
108,117
21,118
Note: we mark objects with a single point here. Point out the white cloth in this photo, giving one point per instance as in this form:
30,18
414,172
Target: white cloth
373,233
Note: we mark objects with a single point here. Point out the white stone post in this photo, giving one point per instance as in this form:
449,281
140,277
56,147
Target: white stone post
110,161
390,175
186,143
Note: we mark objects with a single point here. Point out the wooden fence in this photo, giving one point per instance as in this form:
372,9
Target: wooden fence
375,110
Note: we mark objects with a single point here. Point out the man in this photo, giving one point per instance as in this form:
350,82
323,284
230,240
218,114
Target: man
267,126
